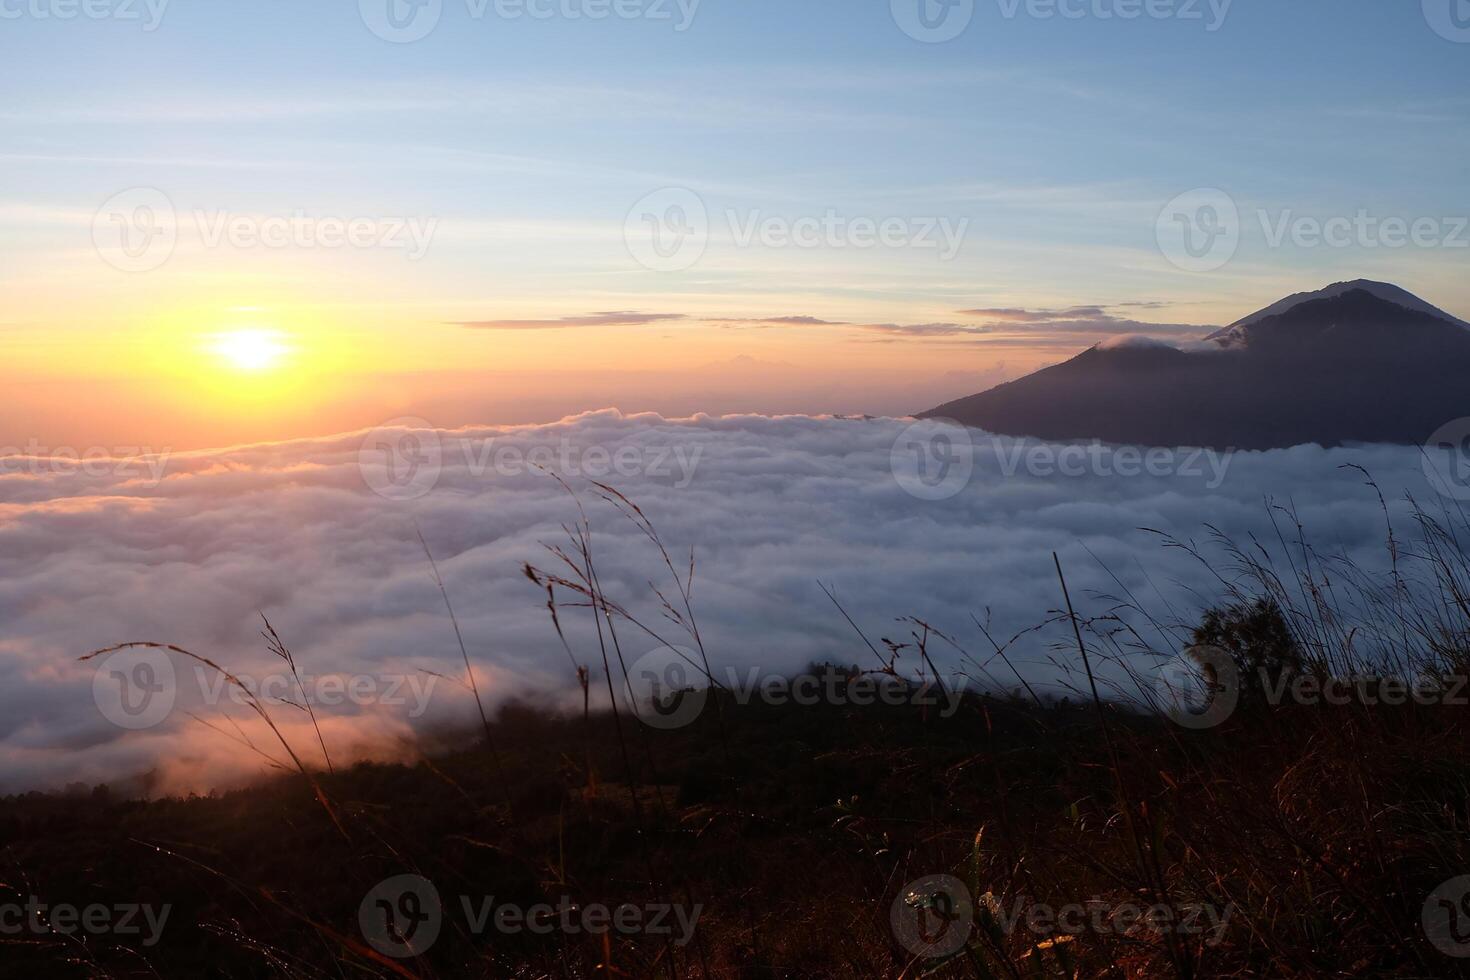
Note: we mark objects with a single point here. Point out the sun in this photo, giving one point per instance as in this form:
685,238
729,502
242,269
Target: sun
251,349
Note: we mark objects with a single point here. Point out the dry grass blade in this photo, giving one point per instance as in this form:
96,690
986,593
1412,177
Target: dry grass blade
251,700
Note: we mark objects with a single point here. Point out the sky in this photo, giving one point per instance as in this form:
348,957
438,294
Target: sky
224,223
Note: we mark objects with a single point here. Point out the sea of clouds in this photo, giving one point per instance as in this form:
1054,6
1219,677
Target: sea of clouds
323,537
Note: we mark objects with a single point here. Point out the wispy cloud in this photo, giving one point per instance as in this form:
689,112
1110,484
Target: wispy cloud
1014,315
1087,319
1029,325
1431,111
777,321
927,329
614,318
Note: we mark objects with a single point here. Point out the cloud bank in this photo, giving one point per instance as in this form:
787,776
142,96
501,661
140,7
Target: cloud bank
773,508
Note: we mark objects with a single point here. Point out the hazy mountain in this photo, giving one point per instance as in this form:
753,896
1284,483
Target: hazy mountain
1355,362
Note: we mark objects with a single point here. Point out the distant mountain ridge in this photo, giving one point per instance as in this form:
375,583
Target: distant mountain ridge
1356,362
1237,332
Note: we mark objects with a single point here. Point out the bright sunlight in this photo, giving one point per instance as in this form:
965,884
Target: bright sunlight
250,350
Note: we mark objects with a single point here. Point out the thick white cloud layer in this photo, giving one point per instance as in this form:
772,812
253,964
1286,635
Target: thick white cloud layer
104,554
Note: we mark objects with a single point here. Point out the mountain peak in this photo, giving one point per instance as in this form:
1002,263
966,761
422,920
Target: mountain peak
1359,361
1237,334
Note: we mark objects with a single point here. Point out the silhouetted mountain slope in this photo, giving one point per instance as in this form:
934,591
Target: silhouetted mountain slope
1343,365
1235,333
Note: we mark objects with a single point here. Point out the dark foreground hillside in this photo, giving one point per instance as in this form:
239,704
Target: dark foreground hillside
1290,841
